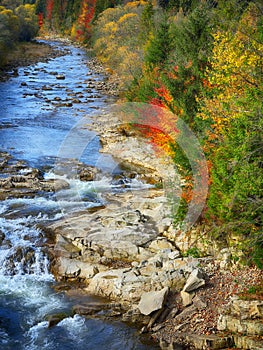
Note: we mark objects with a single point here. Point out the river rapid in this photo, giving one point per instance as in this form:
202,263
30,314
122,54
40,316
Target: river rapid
43,113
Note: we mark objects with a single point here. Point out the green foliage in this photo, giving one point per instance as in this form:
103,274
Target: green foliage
40,6
147,21
182,71
254,292
18,24
229,12
102,5
28,22
235,201
193,252
160,46
9,32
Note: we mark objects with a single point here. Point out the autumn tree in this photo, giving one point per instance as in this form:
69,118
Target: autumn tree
234,107
28,22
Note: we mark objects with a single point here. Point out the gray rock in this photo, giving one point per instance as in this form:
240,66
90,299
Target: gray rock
194,281
60,76
53,320
152,301
187,298
72,269
210,341
174,255
160,244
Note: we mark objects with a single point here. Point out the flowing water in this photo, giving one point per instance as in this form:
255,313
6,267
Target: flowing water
41,122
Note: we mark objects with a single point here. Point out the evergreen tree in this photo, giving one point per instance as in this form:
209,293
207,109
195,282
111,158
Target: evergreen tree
160,46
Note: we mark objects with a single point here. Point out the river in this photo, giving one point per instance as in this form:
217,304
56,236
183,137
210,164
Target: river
43,111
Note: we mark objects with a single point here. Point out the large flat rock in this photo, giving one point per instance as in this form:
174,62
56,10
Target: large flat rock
120,230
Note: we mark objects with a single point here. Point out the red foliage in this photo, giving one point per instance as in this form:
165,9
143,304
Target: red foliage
157,102
40,20
163,92
84,19
159,139
49,9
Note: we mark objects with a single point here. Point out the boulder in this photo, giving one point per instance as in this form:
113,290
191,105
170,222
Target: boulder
152,301
160,244
53,320
187,298
93,308
54,185
60,76
210,341
194,281
72,269
107,284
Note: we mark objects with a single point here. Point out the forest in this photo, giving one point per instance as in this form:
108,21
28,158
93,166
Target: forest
200,60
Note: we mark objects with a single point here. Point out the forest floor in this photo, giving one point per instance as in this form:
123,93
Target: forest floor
221,286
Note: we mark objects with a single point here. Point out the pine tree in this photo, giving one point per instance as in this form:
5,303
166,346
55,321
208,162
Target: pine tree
160,47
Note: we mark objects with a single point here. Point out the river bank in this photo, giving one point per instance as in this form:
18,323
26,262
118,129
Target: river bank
131,252
127,249
26,54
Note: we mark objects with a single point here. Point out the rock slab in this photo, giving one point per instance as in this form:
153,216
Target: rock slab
152,301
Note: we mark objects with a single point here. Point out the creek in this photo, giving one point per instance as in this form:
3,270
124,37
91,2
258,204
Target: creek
44,111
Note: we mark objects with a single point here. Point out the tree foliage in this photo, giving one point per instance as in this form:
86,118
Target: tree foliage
18,22
235,143
203,62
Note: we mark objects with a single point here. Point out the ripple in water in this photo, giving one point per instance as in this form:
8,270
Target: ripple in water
32,128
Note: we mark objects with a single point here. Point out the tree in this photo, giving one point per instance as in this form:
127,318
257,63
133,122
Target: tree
160,47
28,22
234,107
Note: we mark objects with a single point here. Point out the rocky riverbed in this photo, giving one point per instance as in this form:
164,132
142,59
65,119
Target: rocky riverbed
128,251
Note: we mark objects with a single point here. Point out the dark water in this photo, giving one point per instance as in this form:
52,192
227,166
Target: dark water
42,121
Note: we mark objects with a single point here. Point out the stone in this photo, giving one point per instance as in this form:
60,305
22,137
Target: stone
164,345
195,280
133,315
60,76
107,284
224,258
235,325
174,255
72,269
210,341
199,303
246,309
46,88
94,308
160,244
248,342
152,301
54,185
2,237
53,320
187,298
66,248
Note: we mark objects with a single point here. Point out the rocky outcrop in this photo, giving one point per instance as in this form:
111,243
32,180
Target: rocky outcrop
243,318
20,180
24,181
119,250
124,144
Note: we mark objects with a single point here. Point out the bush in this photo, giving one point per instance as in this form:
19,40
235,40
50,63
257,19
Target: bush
28,22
